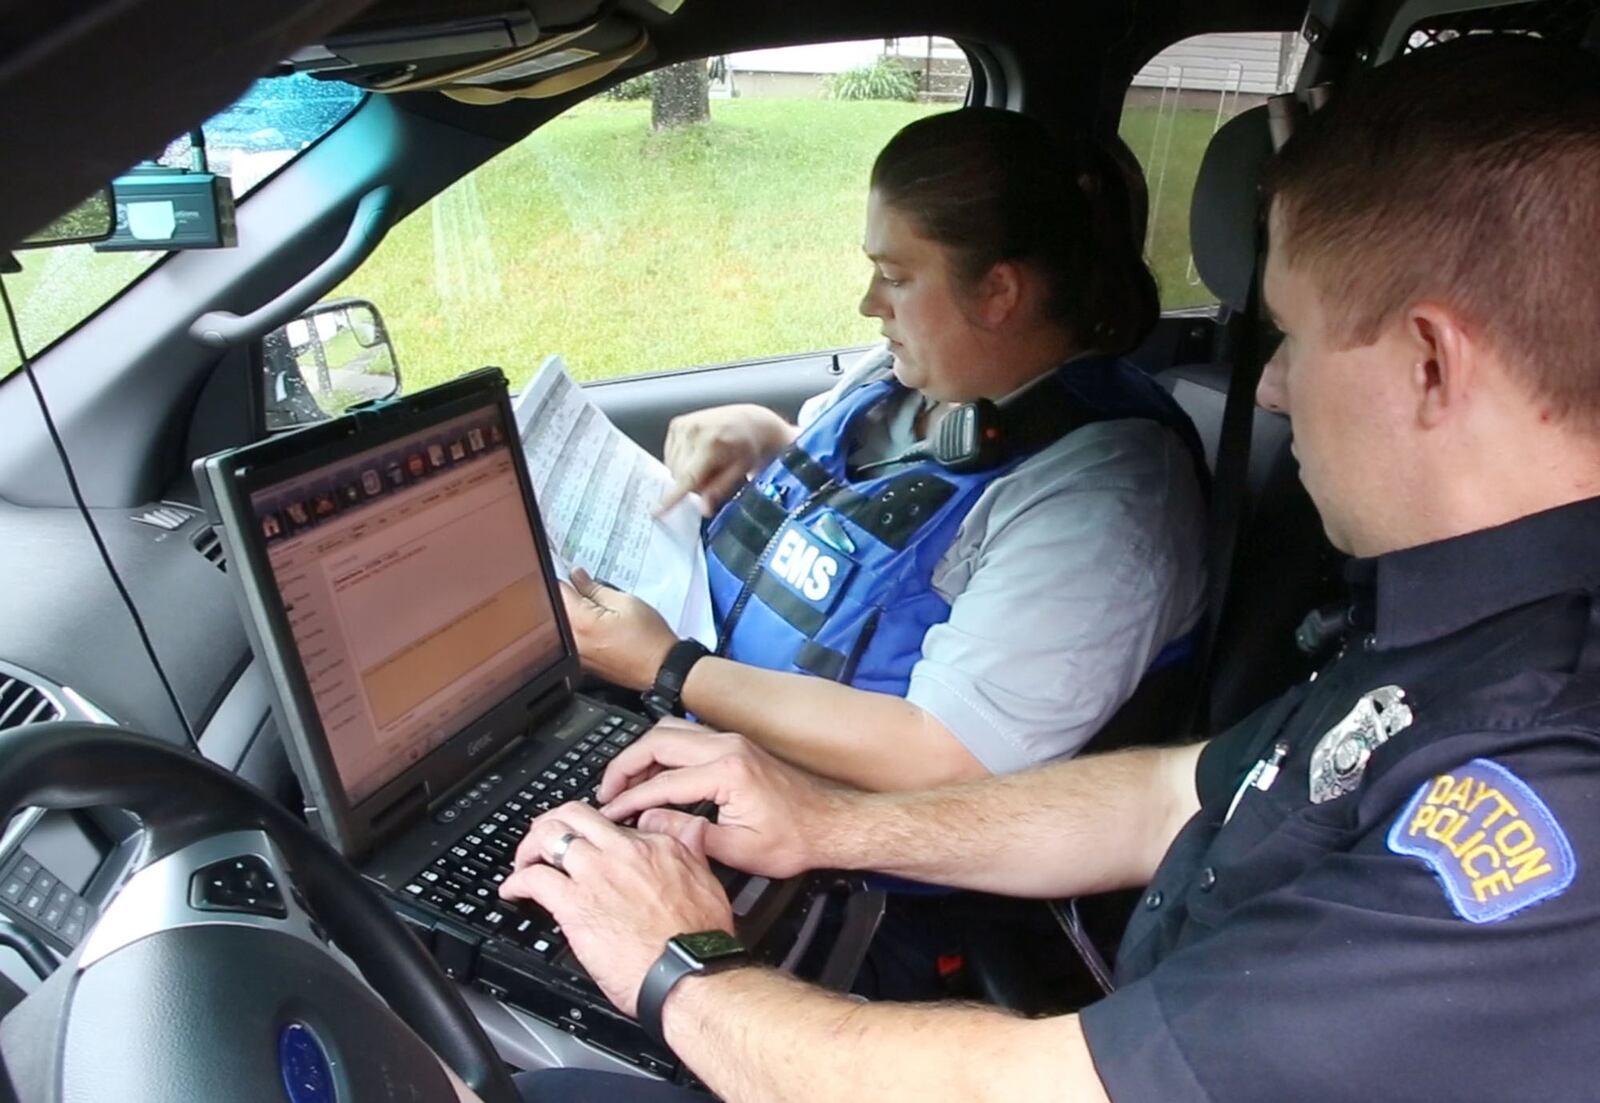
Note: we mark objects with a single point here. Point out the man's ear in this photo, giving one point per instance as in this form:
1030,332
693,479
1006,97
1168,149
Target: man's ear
1445,359
1001,294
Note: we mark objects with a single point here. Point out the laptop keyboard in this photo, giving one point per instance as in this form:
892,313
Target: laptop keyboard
464,881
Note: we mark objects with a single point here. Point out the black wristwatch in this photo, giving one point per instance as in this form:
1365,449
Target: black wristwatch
665,698
700,954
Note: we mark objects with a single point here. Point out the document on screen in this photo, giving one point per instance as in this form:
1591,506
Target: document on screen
598,492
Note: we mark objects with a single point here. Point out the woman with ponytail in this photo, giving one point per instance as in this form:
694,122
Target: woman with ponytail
891,615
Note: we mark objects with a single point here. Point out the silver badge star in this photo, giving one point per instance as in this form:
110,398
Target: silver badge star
1340,756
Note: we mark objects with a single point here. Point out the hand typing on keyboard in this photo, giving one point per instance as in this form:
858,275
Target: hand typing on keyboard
772,818
619,894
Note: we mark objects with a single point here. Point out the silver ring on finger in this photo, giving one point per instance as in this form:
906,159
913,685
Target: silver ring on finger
558,853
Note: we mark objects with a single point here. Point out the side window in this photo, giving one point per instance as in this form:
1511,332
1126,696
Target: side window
627,247
1174,105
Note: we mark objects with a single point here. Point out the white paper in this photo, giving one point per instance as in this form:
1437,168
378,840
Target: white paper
597,491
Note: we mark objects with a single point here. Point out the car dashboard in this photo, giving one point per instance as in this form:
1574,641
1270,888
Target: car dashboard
69,650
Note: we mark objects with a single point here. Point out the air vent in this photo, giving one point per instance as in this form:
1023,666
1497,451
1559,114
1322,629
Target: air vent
21,703
209,544
170,518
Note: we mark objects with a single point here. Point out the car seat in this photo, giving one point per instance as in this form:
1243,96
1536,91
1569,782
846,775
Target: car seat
1282,569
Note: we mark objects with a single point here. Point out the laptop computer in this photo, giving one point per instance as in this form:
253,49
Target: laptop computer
398,587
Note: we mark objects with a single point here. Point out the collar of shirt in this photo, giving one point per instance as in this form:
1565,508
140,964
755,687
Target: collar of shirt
1425,593
888,429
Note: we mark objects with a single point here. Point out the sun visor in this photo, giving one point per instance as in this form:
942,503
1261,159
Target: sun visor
486,51
1222,213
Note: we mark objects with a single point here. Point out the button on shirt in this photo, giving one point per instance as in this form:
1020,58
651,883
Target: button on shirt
1427,934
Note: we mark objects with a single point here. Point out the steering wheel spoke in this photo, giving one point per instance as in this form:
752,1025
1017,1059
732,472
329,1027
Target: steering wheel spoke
238,878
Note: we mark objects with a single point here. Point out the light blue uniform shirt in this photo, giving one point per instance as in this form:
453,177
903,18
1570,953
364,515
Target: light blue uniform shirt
1065,580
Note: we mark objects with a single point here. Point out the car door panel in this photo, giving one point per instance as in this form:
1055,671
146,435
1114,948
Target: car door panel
641,406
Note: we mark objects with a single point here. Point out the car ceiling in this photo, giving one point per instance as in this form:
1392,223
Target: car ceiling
91,86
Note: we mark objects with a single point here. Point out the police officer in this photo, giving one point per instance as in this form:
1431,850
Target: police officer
972,615
1380,886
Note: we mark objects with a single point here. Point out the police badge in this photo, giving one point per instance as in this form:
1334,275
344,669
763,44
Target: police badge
1340,756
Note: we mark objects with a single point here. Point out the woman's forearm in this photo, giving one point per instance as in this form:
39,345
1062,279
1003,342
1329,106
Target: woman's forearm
869,740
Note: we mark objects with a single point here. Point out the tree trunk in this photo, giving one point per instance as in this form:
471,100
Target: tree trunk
682,95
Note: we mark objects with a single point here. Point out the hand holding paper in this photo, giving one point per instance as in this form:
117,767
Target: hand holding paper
621,639
599,494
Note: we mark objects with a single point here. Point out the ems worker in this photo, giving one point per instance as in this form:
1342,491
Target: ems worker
1385,884
893,621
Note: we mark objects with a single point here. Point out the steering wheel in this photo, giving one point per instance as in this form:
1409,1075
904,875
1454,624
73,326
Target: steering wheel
209,975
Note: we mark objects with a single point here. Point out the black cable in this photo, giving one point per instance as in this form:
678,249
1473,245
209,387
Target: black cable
88,519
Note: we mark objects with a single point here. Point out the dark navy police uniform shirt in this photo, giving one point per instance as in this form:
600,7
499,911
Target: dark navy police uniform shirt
1430,932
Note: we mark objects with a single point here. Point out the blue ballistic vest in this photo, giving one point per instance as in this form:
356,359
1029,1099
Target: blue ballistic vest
814,572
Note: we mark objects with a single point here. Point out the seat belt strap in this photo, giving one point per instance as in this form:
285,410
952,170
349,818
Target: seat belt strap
1231,483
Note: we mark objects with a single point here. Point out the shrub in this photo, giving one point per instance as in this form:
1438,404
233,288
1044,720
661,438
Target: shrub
641,87
886,79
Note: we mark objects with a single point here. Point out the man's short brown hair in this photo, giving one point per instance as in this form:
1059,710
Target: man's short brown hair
1466,174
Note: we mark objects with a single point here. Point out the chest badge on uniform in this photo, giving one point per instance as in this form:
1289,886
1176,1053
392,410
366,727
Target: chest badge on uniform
1340,756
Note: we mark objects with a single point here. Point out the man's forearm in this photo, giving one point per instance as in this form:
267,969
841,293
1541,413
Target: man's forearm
870,740
1087,825
752,1034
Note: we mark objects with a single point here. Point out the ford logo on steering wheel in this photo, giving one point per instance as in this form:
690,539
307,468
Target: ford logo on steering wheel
307,1076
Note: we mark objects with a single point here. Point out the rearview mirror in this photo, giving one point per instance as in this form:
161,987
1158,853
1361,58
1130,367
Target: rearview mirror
328,359
91,220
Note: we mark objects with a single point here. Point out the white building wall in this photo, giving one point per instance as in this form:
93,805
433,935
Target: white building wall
829,57
1249,63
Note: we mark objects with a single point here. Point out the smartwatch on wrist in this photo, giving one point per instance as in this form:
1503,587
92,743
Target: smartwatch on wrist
687,955
665,698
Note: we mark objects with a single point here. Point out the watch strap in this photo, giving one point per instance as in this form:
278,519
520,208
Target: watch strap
665,698
672,966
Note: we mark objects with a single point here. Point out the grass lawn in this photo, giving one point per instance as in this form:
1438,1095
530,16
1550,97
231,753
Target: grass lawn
630,252
59,287
1170,155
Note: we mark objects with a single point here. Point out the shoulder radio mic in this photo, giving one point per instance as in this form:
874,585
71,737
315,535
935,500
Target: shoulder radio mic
971,437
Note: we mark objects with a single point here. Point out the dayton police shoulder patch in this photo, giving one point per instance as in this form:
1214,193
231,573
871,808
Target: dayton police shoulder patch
1489,838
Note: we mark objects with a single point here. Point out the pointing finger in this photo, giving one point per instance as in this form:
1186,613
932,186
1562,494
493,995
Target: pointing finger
675,493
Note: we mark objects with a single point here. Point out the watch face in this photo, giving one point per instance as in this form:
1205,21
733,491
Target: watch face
710,945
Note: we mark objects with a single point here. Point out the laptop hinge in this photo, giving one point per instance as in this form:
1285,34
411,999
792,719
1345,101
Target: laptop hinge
400,811
549,704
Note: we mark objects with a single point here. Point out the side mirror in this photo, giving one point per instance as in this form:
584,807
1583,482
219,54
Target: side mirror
91,220
328,359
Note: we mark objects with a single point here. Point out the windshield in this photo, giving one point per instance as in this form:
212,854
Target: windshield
264,130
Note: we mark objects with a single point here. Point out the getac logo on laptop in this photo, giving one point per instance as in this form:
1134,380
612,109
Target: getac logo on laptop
804,566
478,744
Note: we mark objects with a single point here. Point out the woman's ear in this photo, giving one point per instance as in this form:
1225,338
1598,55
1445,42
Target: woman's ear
1002,293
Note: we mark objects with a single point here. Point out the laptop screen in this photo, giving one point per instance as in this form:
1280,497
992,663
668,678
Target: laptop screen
413,588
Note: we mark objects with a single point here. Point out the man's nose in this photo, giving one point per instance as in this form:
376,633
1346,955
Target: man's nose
1271,393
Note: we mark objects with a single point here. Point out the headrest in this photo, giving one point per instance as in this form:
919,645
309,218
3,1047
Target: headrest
1222,212
1134,193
